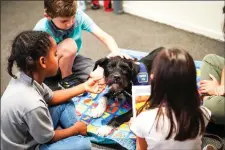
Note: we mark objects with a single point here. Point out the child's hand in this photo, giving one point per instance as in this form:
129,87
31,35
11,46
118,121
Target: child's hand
209,86
97,73
94,85
81,127
122,55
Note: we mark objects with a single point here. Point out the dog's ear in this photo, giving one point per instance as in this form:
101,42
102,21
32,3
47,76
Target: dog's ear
134,67
101,62
148,60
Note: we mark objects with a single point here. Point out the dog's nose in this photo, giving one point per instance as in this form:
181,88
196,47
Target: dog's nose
116,77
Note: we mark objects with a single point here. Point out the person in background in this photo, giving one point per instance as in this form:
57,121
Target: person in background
107,5
212,84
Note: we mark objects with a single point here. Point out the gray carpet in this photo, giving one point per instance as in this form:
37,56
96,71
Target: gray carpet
129,31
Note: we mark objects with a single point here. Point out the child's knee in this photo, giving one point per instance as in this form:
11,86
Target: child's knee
215,104
209,58
67,48
81,144
72,143
86,144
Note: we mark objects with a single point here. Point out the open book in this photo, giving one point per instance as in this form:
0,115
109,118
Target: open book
139,96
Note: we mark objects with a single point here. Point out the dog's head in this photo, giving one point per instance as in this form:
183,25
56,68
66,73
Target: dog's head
118,72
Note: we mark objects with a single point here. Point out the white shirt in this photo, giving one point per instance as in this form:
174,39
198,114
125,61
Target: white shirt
144,126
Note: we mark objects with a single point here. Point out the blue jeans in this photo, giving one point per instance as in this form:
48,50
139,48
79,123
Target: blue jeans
65,116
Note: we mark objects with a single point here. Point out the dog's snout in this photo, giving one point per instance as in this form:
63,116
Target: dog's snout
117,77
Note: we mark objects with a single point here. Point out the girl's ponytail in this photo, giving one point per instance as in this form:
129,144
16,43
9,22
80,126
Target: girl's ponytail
11,60
27,48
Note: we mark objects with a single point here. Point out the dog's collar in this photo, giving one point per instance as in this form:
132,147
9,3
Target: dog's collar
142,78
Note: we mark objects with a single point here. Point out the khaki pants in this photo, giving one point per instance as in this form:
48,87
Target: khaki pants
213,64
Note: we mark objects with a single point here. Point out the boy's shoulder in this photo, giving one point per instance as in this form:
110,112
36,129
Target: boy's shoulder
79,12
80,15
42,25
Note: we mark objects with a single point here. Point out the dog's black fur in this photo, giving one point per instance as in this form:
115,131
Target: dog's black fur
119,74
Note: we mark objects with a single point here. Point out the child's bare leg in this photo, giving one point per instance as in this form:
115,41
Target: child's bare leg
66,52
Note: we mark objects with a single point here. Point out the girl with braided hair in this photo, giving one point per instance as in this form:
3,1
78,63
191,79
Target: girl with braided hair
27,121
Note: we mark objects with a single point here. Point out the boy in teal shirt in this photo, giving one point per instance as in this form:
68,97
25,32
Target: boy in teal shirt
65,24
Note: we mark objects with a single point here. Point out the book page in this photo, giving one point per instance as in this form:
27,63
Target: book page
139,96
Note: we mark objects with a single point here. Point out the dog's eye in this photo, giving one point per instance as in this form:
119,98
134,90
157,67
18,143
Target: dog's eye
124,70
124,67
109,66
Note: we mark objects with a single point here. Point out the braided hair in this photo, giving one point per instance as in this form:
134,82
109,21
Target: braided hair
27,48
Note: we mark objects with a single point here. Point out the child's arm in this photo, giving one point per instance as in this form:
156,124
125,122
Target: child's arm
91,85
136,126
88,24
106,39
61,96
78,128
222,76
109,42
141,144
221,90
40,126
213,87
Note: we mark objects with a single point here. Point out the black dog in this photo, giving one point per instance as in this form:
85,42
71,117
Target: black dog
120,74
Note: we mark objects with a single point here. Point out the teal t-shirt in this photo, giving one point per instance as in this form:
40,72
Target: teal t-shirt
82,22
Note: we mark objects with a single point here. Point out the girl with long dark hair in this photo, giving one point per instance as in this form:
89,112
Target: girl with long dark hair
173,116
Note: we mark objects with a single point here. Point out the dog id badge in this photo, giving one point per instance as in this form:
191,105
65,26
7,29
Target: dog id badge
142,77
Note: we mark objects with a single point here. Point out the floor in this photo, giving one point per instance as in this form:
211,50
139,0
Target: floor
129,31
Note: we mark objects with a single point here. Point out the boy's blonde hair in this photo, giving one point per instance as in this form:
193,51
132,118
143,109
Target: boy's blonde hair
60,8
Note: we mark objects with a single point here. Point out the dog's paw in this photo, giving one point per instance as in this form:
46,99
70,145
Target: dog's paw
96,112
105,130
100,109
